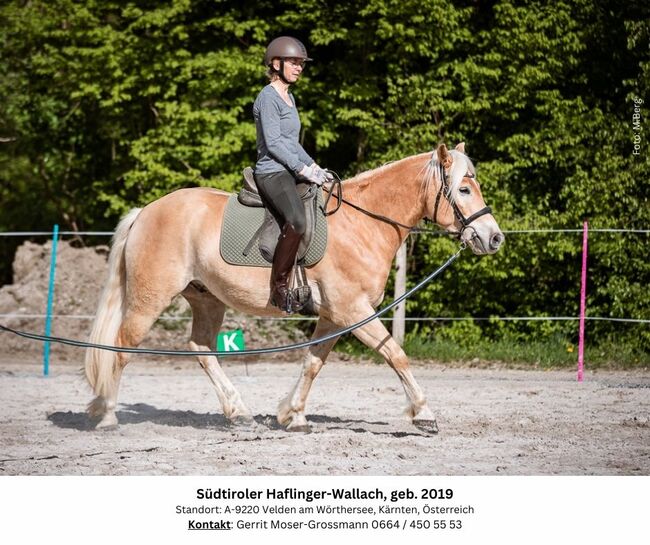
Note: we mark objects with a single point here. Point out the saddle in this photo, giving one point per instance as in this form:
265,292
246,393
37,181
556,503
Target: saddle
250,232
269,232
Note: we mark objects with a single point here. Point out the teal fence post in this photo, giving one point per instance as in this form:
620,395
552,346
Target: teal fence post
50,300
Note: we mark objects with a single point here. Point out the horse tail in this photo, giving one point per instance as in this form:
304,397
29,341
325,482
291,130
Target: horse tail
100,364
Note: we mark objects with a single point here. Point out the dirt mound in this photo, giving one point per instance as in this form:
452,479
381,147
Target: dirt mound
80,276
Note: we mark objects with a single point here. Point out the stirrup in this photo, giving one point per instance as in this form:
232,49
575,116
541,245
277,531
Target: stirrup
299,292
300,296
294,300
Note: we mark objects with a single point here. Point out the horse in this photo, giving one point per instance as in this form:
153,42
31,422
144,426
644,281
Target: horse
170,247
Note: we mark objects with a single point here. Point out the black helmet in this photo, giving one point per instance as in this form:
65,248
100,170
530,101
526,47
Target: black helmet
284,47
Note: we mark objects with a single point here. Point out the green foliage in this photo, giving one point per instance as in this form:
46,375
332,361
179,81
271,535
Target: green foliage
113,105
108,105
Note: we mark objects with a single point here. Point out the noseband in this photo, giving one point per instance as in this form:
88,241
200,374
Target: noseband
460,217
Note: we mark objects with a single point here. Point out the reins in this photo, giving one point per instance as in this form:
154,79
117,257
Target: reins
336,183
254,351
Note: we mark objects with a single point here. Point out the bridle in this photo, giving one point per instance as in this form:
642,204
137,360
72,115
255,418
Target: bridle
336,190
458,214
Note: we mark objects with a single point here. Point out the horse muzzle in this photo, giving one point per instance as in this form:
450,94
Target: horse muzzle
483,239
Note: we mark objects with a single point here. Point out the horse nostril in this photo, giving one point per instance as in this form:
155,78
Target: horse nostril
496,240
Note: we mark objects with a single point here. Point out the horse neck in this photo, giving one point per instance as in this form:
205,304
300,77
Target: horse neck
394,191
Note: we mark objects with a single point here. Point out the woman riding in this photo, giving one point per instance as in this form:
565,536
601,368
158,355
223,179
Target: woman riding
281,160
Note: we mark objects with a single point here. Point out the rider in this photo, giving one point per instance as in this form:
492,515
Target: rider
281,160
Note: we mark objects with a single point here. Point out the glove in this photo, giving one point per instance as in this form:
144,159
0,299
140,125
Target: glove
313,174
325,173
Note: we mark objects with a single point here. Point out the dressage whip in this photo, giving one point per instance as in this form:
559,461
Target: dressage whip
254,351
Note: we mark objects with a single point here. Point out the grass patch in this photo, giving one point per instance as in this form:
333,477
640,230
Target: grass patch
549,353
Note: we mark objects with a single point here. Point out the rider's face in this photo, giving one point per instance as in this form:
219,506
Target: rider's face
292,68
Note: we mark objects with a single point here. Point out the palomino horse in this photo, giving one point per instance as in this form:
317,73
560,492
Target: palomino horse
171,246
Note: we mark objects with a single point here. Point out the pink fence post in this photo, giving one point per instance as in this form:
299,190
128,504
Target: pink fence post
583,304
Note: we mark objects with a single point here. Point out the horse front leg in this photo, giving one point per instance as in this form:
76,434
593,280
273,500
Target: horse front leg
291,411
374,335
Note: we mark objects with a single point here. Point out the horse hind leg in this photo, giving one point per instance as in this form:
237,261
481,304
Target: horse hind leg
208,313
291,411
132,331
102,367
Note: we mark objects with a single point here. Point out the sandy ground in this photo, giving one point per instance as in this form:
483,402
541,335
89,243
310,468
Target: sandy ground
492,422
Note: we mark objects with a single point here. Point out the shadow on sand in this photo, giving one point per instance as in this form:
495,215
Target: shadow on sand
139,413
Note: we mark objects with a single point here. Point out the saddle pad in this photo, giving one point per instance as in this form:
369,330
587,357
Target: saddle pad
240,224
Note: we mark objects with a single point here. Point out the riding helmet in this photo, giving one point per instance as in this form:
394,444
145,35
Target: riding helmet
284,47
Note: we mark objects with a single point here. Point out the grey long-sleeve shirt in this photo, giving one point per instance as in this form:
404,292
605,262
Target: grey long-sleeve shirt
278,132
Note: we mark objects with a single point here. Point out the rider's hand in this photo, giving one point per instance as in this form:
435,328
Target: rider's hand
324,173
313,174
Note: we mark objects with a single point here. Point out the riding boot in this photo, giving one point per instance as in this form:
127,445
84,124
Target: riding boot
283,261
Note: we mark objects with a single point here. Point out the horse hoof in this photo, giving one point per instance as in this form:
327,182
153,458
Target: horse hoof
427,426
107,423
106,427
244,422
304,428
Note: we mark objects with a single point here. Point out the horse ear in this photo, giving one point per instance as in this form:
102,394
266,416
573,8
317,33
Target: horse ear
461,147
444,157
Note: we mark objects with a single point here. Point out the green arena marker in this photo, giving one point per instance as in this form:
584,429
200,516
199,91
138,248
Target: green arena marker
231,341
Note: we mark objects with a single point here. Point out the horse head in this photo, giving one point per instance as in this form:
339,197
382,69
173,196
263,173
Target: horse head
457,205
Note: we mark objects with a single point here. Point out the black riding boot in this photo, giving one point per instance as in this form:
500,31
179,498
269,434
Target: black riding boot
283,261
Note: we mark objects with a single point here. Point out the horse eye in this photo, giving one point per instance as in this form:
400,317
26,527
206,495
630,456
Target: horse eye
464,190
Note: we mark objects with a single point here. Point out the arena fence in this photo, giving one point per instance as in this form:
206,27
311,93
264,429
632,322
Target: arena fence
56,234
